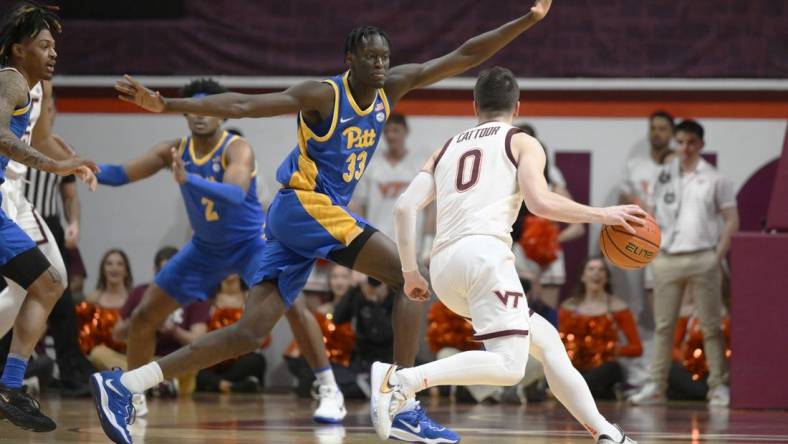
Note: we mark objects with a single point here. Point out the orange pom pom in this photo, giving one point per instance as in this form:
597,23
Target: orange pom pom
540,240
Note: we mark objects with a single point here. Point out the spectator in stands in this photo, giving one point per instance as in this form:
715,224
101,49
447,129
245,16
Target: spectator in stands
637,183
245,374
121,328
101,311
689,200
539,241
591,323
369,306
386,179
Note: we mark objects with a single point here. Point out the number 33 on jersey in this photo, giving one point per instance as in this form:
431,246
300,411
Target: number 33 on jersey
331,158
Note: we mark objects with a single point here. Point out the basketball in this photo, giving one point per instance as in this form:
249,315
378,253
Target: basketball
631,251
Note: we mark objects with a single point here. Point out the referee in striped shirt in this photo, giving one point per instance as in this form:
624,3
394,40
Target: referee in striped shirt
53,195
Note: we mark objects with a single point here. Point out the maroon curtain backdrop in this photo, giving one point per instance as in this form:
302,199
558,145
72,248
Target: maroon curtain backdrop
576,168
616,38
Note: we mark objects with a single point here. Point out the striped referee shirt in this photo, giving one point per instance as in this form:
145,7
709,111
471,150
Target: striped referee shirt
42,189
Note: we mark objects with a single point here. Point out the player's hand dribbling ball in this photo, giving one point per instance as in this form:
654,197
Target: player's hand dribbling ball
631,251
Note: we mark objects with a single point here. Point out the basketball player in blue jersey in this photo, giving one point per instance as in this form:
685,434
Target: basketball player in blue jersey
217,177
340,121
27,56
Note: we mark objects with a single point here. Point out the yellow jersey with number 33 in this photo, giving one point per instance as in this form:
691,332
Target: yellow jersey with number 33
331,157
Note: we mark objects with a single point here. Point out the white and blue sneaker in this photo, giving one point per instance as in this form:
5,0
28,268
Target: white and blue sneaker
387,405
113,405
416,426
331,409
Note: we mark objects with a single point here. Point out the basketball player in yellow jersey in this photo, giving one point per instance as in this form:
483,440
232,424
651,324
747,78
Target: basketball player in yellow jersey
340,124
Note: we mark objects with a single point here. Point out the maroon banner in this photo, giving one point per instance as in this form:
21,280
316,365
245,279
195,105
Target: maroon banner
617,38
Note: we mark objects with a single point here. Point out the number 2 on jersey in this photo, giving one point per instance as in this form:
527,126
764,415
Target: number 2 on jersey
210,214
463,182
354,171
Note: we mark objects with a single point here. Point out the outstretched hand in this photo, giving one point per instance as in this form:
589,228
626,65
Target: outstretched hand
416,287
86,175
540,8
73,165
178,169
623,215
135,92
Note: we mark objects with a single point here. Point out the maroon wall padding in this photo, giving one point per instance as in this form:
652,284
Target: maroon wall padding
759,306
754,196
710,157
615,38
576,168
778,208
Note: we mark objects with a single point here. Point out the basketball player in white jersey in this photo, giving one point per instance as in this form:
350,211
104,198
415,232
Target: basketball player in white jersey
479,178
20,210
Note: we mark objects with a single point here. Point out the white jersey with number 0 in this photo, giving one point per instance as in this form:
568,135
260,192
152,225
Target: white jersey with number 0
476,185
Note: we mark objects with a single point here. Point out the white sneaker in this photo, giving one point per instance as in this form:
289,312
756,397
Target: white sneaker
604,439
387,398
331,409
140,405
648,395
719,396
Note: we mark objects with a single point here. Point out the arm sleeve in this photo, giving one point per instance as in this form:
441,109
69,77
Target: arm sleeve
221,192
112,175
626,321
418,194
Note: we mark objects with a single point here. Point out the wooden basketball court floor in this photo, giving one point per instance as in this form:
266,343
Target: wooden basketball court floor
281,418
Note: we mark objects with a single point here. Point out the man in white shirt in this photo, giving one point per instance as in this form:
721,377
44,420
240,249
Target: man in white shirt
638,182
689,199
641,171
385,181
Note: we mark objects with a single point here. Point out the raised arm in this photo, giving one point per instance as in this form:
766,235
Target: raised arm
545,203
305,96
13,93
472,53
140,168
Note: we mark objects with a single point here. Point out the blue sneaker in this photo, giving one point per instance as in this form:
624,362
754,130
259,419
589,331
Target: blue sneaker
113,404
416,426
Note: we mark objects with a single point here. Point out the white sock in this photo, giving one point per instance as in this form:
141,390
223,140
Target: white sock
325,376
565,381
143,378
502,364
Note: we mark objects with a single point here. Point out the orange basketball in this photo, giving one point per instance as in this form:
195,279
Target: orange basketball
631,251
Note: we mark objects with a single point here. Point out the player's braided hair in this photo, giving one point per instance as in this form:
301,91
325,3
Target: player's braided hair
25,21
358,35
202,86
